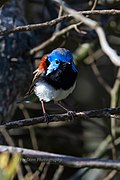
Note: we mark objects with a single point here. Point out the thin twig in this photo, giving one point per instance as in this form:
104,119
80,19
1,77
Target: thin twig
94,5
31,129
52,39
58,173
99,77
44,172
57,28
113,94
111,175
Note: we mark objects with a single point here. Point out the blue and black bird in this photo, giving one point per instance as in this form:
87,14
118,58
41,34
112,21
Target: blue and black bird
55,77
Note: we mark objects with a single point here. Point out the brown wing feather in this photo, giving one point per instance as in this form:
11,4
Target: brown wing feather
37,73
42,67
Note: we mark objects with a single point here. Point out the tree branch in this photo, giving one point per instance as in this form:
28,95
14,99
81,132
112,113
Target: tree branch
57,20
107,112
52,39
111,53
70,161
34,26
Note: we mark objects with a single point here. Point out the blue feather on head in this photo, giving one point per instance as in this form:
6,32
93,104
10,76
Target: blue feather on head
59,55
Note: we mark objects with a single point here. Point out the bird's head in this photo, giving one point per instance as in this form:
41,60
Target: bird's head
58,56
52,61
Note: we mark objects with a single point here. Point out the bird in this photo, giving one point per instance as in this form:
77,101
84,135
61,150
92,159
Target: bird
55,77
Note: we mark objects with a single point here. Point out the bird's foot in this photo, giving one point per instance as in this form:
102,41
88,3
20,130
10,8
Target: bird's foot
71,114
46,117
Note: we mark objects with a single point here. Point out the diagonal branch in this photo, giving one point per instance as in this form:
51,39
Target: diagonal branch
107,112
70,161
56,21
52,38
35,26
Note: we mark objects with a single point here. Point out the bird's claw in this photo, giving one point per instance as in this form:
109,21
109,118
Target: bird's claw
46,118
71,114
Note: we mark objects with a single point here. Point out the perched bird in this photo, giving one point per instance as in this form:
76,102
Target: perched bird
55,77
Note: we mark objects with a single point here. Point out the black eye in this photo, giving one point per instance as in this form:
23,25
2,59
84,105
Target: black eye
57,62
47,62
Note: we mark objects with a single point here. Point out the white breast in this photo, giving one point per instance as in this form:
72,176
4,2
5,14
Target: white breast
46,92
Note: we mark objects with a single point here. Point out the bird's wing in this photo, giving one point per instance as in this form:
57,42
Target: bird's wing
34,81
38,73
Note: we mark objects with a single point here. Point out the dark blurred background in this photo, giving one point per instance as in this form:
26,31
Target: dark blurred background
95,82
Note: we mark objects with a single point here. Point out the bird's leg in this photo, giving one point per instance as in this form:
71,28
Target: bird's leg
44,112
70,113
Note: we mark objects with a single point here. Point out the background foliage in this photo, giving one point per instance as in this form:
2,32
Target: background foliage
97,88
